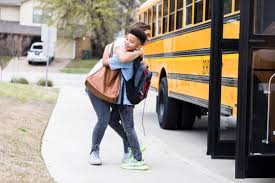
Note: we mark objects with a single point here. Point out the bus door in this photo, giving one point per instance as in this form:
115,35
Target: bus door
255,150
221,142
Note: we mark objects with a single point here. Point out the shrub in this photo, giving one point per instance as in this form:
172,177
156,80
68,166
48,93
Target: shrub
19,80
42,82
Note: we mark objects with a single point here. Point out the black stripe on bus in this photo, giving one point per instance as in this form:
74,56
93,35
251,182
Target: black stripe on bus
226,110
226,81
195,52
193,29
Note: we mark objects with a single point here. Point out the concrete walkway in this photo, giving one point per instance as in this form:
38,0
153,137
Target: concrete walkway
66,145
172,155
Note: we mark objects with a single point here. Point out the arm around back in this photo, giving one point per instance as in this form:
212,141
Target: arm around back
125,56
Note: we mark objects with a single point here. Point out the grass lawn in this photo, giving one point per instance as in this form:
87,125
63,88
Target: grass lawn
4,60
25,112
79,66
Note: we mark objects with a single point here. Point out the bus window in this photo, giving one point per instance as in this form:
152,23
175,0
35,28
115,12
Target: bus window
165,15
179,14
188,12
227,6
208,10
159,17
172,15
154,25
141,17
145,17
264,22
198,11
150,19
237,5
149,16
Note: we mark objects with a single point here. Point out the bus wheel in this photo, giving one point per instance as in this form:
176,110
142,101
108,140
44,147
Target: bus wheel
188,116
168,108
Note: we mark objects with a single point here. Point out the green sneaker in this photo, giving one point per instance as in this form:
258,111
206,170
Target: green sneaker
130,155
127,156
133,164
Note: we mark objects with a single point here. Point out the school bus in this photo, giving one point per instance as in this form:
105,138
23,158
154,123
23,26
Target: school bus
178,54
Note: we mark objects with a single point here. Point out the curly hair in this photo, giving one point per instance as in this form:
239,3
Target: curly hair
140,25
139,33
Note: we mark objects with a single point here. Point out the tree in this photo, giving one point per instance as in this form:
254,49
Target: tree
129,8
101,19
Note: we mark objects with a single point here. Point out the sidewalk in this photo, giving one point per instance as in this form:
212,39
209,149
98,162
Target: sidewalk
66,146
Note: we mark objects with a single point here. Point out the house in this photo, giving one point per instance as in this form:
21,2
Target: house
20,26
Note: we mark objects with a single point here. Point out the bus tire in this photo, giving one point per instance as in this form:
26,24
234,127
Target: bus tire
168,108
188,116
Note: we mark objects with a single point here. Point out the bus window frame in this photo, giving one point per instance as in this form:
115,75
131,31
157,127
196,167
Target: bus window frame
150,9
234,8
146,16
174,12
176,16
202,21
154,21
165,16
184,12
231,9
203,10
159,19
160,3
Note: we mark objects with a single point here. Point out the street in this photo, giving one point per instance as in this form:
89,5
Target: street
173,155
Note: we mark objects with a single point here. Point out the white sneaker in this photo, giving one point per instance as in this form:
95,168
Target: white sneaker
94,158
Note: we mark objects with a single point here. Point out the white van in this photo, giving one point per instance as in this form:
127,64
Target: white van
35,54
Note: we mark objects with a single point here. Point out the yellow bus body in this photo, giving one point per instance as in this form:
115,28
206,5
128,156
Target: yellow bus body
184,56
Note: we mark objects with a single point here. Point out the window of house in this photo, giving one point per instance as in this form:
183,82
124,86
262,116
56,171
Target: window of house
172,15
37,15
237,5
227,6
208,10
165,16
159,17
188,12
198,11
179,14
40,16
154,25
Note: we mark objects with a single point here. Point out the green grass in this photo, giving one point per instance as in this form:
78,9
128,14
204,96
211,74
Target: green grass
4,60
27,93
79,66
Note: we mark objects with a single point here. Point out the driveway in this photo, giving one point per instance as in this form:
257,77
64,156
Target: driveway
21,65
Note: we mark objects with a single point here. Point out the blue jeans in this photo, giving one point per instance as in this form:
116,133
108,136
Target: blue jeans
116,125
127,121
105,117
